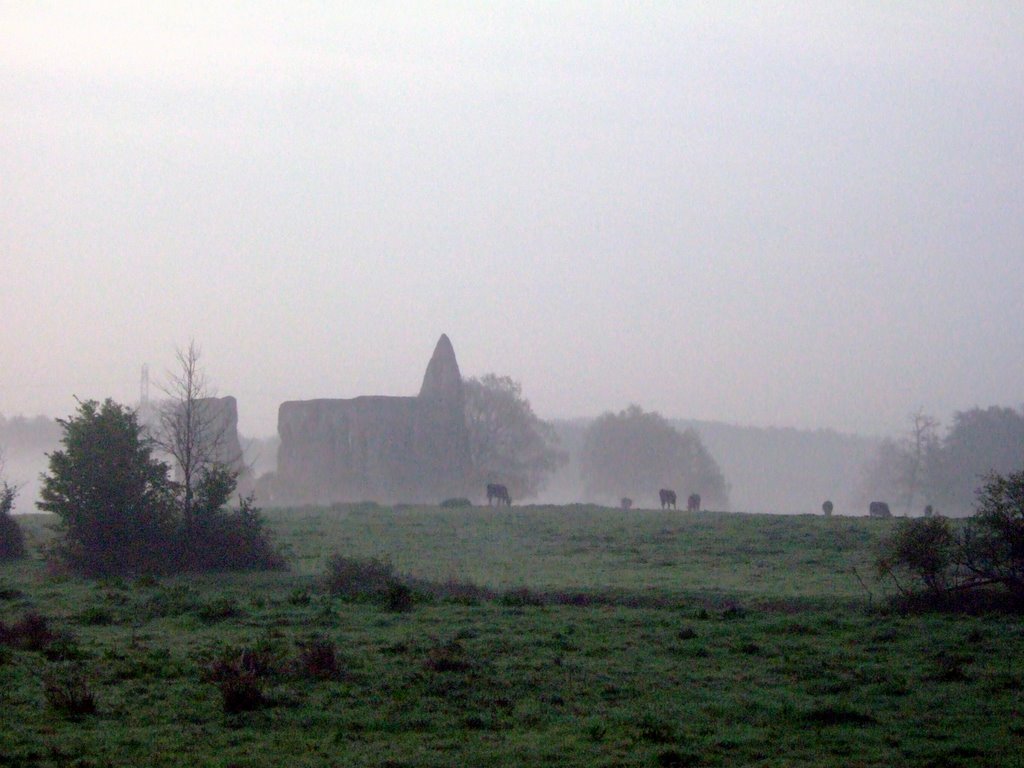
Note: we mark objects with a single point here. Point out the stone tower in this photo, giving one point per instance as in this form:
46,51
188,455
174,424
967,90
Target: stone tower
440,438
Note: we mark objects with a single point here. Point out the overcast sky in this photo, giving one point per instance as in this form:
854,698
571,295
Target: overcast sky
793,214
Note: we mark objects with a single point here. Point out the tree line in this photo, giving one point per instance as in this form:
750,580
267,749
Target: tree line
926,467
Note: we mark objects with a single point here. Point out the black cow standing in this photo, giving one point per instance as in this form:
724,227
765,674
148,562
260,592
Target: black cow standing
668,498
499,492
878,509
693,503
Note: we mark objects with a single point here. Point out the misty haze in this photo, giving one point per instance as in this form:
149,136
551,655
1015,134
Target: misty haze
512,384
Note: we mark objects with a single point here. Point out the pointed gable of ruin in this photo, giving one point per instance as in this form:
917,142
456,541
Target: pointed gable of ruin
442,381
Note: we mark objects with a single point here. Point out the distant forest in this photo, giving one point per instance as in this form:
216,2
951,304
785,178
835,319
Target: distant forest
769,469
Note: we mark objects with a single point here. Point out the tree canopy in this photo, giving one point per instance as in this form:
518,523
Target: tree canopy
634,453
508,443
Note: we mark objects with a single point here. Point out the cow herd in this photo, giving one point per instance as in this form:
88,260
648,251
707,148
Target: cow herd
498,494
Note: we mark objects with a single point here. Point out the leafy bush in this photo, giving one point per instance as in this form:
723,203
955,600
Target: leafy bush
238,675
456,503
994,546
240,692
317,658
31,633
112,496
214,538
928,553
920,551
67,691
360,579
399,597
447,657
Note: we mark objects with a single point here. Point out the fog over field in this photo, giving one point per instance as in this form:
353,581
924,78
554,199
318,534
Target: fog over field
800,215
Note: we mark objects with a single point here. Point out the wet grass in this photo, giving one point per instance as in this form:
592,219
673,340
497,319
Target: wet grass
769,665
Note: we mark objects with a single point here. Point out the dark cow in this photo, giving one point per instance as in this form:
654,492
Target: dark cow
827,508
626,502
499,492
878,509
668,498
693,503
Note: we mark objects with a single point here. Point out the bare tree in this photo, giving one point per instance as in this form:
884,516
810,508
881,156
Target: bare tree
192,430
923,442
904,470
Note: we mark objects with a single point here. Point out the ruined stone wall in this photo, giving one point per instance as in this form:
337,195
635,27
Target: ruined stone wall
219,416
388,449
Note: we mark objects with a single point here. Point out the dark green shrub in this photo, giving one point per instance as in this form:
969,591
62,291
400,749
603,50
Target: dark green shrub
399,597
240,692
447,657
67,692
950,667
30,633
994,545
920,551
521,597
218,539
218,610
239,675
95,616
12,539
456,503
317,658
360,579
113,498
656,730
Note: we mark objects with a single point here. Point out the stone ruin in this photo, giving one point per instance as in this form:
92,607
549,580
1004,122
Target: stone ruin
387,449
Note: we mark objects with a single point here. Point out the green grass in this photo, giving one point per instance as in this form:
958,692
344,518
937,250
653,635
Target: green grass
762,650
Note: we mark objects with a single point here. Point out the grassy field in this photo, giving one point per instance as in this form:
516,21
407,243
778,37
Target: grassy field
606,638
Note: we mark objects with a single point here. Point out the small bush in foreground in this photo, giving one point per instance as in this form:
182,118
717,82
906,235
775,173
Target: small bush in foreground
317,659
239,674
360,579
921,550
240,692
946,571
30,633
67,691
447,657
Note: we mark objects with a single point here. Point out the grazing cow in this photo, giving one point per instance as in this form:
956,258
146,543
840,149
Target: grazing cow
827,508
878,509
668,498
626,502
499,492
693,503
